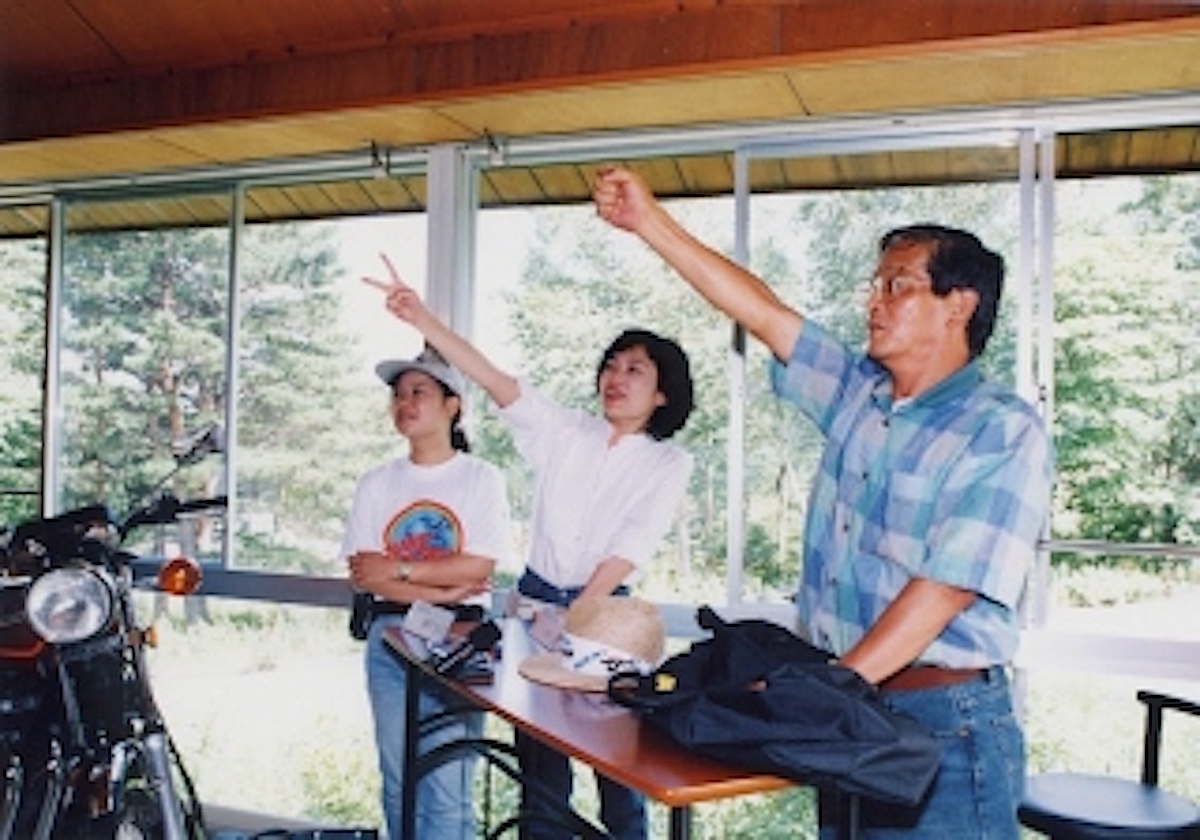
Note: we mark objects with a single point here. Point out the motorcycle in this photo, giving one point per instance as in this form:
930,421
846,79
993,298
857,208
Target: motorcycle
84,749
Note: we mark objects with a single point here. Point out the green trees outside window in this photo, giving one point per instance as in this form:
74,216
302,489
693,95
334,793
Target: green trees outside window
146,320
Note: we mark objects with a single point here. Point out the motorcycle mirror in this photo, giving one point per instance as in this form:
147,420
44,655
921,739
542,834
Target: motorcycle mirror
180,576
199,444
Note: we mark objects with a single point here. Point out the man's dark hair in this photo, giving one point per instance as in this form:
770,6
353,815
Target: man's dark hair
674,378
959,260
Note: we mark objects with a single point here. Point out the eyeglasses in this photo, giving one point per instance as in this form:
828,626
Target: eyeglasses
896,286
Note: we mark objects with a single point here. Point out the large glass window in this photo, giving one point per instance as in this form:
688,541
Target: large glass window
1127,383
817,248
22,361
554,287
1122,589
261,698
141,355
312,415
147,317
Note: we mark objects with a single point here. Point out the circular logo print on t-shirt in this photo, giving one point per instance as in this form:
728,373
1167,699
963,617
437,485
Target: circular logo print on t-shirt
422,530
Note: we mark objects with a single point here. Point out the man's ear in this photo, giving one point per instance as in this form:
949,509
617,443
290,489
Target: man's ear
965,302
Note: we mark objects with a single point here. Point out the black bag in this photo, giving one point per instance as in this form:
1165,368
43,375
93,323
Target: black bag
760,697
361,615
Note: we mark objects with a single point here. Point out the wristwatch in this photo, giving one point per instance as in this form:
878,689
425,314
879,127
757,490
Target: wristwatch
404,571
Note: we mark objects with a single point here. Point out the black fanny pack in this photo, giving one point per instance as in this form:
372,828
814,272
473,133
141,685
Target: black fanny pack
366,607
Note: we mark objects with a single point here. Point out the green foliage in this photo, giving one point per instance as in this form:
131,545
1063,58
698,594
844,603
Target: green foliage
1127,372
257,551
340,781
143,355
267,705
22,271
767,562
816,251
842,231
144,359
496,795
303,442
20,446
490,438
608,285
788,814
1112,581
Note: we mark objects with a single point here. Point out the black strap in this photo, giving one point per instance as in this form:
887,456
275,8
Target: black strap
462,612
365,607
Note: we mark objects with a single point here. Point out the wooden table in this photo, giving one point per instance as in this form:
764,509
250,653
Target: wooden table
588,727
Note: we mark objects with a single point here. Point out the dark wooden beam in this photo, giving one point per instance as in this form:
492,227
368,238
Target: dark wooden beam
692,38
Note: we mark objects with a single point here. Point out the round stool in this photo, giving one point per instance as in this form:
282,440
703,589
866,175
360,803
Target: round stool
1077,806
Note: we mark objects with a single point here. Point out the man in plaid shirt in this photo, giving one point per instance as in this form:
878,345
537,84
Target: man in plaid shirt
933,489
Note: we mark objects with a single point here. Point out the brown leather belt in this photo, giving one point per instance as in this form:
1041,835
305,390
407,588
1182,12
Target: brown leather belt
917,677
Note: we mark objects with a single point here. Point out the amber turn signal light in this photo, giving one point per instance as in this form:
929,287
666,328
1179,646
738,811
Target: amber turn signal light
180,576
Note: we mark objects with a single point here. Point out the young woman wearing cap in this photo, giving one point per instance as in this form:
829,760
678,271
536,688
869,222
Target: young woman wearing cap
606,490
427,526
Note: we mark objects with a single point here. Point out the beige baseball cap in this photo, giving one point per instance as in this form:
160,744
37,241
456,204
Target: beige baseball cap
601,637
430,362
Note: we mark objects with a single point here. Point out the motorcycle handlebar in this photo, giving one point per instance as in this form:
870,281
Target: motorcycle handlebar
168,508
199,506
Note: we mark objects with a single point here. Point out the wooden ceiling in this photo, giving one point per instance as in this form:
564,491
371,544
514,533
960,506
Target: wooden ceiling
96,88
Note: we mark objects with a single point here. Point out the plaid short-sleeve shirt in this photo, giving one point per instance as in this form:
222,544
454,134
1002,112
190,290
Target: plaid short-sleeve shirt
953,486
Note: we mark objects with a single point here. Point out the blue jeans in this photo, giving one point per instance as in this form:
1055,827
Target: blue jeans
622,810
982,770
444,808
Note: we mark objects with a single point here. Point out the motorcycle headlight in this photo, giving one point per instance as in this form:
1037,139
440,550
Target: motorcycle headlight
68,605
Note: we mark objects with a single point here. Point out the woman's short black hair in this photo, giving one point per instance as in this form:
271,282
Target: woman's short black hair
959,260
674,378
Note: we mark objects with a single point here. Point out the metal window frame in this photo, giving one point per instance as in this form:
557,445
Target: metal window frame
453,202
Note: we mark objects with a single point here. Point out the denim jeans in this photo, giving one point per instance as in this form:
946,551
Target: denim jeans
622,810
444,808
981,773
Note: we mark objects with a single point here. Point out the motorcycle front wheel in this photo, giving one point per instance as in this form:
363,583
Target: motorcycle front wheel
153,800
141,818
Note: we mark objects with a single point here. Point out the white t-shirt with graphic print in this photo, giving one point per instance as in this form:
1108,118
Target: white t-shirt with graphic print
459,505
